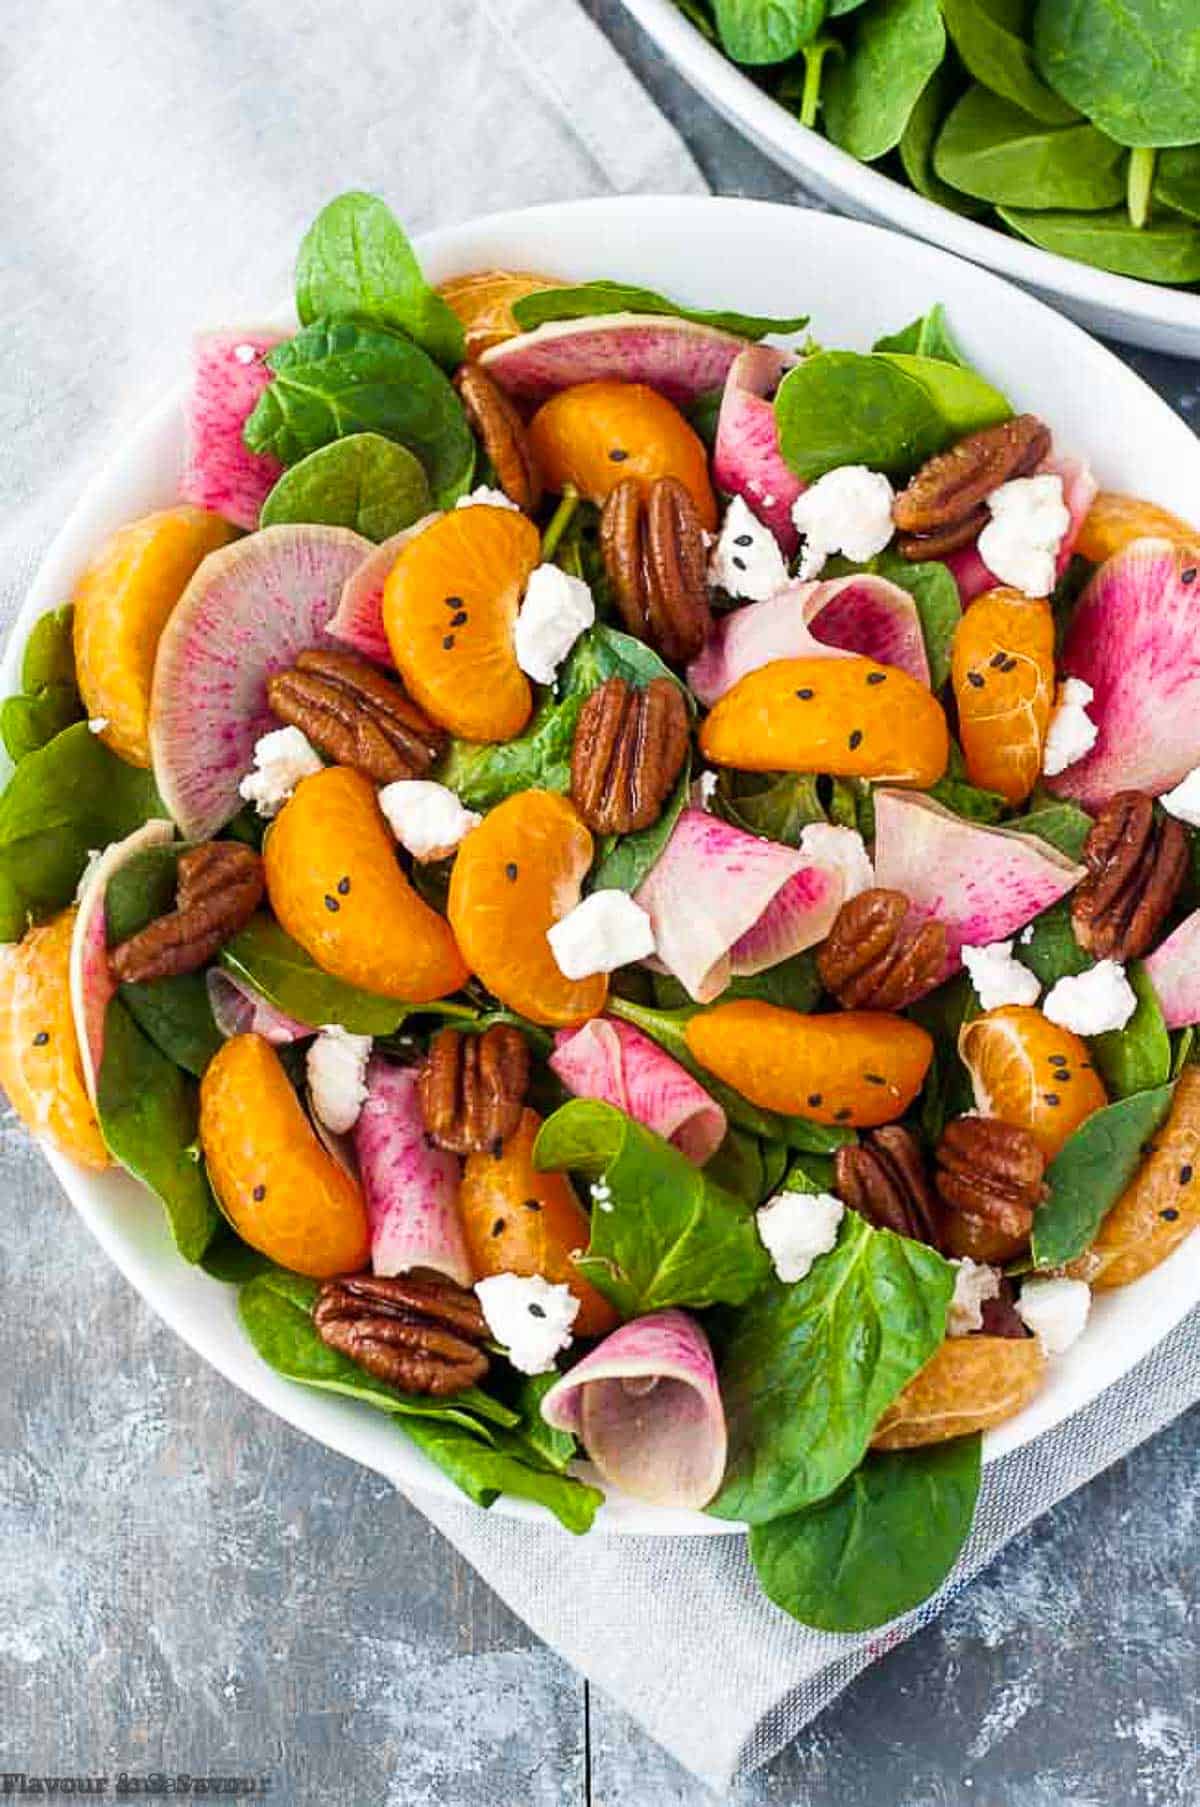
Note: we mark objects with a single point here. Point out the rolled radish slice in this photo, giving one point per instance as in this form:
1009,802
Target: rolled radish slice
646,1407
411,1187
240,1010
1174,971
229,373
1079,492
713,884
747,461
358,620
616,1063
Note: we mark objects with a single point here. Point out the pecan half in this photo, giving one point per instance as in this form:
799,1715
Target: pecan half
629,748
218,887
653,547
420,1331
943,506
875,959
1136,860
884,1179
990,1178
356,716
501,432
472,1087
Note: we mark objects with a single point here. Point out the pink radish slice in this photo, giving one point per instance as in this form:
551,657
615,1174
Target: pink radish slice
229,374
247,612
983,883
240,1010
359,618
614,1062
799,915
747,461
411,1187
712,884
92,985
870,616
1174,971
1079,492
1135,638
647,1408
682,361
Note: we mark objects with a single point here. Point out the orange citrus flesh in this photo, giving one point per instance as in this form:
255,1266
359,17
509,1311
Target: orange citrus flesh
40,1068
1161,1204
483,301
592,436
1002,670
1028,1071
971,1383
1114,521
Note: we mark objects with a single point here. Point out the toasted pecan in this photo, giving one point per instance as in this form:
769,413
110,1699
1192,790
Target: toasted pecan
628,751
653,547
875,959
219,885
355,715
421,1331
502,434
883,1177
943,506
1136,859
472,1087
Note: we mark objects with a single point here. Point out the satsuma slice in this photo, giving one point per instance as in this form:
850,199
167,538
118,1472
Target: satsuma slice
1002,670
40,1067
1114,521
483,301
971,1383
1028,1071
1161,1205
336,886
515,876
449,606
589,437
279,1188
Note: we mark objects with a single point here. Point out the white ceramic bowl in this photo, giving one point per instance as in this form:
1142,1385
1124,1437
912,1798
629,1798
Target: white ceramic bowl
1144,313
858,281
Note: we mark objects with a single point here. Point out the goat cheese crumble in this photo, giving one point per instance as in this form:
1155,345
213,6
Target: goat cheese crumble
1056,1310
281,759
337,1076
825,844
796,1227
974,1282
848,510
427,819
607,930
1020,543
998,978
1183,802
556,610
530,1318
1072,731
1093,1002
483,497
746,560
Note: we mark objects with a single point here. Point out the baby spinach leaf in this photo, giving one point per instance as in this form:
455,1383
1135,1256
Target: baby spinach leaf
1165,250
812,1367
336,378
1136,1058
894,48
1133,66
767,31
917,141
993,150
1001,59
1063,825
355,263
697,13
747,1166
880,1544
31,720
964,400
1052,951
968,800
49,656
583,300
486,1470
623,861
1177,181
794,983
779,805
227,1258
936,595
149,1114
266,956
668,1235
808,1173
555,1448
174,1012
365,482
1088,1175
1182,1044
929,336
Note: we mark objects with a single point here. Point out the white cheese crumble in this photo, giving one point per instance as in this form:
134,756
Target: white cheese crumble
825,844
796,1227
601,1193
281,759
998,978
1072,731
483,497
1093,1002
245,354
746,561
1056,1310
1184,801
1020,543
529,1318
848,510
427,819
974,1282
603,932
337,1076
703,790
556,610
97,724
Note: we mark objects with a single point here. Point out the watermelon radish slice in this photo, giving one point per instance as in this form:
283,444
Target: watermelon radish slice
747,461
229,373
359,618
411,1186
862,614
1135,638
1079,492
616,1063
240,1010
983,883
646,1406
679,359
714,884
92,985
1174,971
247,612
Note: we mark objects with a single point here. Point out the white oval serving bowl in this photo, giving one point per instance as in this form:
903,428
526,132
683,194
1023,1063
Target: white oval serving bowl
858,282
1143,313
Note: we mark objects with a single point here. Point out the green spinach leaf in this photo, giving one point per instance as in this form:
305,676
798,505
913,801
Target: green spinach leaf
1063,825
1001,58
356,263
1052,951
767,31
174,1012
919,137
504,1465
794,984
928,336
1091,1171
895,46
1177,181
779,805
1165,250
266,956
1136,1058
31,720
586,299
991,149
623,861
49,656
365,482
1133,66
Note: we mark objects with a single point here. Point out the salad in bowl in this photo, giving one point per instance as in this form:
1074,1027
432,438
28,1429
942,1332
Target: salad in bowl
629,881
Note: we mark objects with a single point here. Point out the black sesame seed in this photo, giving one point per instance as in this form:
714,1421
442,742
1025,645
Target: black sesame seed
843,1116
1051,1098
874,1079
260,1192
744,539
814,1099
1185,1174
510,871
332,904
739,564
537,1311
877,677
617,455
1188,576
1009,665
1057,1060
1170,1215
804,695
343,887
459,619
997,660
498,1227
532,1204
447,642
41,1038
453,602
975,680
855,739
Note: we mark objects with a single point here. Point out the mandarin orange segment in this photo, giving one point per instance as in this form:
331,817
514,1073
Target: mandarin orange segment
515,876
336,886
1114,521
858,1067
1028,1071
849,717
40,1068
1161,1205
449,607
1002,670
591,436
971,1383
282,1192
520,1221
483,301
121,606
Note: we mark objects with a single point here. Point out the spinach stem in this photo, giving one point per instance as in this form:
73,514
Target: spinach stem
814,64
559,522
1138,184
